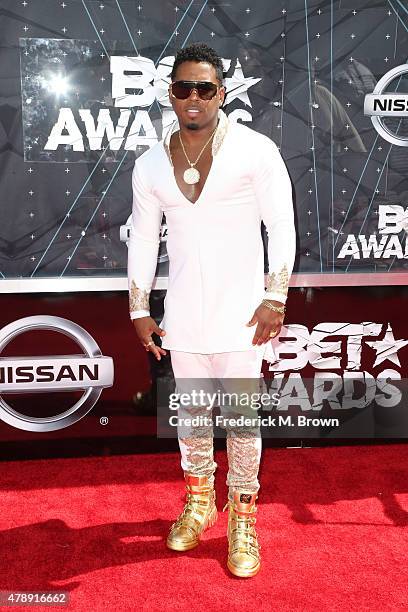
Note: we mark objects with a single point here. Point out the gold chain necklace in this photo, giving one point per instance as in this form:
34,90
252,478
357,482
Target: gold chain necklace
192,175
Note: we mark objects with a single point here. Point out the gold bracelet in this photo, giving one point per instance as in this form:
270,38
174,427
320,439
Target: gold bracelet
279,309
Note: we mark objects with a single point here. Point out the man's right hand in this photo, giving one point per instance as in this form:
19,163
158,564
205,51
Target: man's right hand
145,327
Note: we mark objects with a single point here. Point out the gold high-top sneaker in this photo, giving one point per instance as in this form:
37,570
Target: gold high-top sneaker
243,548
200,512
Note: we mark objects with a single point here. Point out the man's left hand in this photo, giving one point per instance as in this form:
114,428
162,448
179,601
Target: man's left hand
269,323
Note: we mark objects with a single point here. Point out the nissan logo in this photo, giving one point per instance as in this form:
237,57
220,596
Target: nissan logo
89,371
379,104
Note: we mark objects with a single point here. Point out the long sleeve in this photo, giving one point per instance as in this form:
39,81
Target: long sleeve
143,245
274,195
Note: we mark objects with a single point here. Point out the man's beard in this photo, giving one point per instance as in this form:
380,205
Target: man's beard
192,126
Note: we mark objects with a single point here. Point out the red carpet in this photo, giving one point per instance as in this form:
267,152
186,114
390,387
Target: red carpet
332,525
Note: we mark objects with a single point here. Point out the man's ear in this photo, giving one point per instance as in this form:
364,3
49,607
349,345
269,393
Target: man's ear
222,99
170,97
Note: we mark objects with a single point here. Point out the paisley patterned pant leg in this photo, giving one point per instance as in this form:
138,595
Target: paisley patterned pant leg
244,448
197,444
244,444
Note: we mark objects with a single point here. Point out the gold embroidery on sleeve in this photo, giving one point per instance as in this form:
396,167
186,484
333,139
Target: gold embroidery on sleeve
278,282
138,298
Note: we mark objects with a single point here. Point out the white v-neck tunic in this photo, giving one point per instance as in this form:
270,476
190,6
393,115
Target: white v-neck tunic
216,258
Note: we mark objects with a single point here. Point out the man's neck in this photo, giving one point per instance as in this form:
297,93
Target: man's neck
194,137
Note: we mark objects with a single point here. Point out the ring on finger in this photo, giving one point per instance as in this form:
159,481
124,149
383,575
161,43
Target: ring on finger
273,334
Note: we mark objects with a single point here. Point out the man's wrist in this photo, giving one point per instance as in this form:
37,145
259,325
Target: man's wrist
275,296
274,305
138,314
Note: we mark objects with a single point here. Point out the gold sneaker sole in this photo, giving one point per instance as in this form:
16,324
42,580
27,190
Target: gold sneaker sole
183,546
243,573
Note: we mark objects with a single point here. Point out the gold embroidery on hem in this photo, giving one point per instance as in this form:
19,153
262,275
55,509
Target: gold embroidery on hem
197,452
138,298
244,454
196,442
278,282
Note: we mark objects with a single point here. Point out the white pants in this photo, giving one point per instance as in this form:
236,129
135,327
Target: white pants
244,444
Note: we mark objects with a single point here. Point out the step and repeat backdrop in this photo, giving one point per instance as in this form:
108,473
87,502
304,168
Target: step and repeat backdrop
84,93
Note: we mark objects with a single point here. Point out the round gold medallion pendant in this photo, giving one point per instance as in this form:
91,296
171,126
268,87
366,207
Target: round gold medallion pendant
191,176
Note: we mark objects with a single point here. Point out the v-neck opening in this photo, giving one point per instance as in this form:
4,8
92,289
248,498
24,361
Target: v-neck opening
219,137
177,185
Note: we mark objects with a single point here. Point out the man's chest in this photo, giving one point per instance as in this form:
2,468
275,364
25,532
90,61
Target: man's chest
226,181
180,165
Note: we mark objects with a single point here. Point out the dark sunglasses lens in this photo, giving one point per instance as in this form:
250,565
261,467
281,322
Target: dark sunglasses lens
182,90
206,91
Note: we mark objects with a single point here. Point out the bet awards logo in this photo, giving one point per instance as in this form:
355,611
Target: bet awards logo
149,84
391,241
89,372
338,378
378,105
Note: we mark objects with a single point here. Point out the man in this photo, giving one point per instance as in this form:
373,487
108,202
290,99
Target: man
215,180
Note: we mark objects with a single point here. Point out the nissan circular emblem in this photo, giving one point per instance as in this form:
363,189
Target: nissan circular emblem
90,372
378,105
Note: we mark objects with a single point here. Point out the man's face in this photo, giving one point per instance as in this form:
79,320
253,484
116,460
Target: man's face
195,113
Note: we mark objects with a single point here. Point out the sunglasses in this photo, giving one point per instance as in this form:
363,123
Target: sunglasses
182,89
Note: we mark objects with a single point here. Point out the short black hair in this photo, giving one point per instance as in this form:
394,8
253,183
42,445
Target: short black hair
199,52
